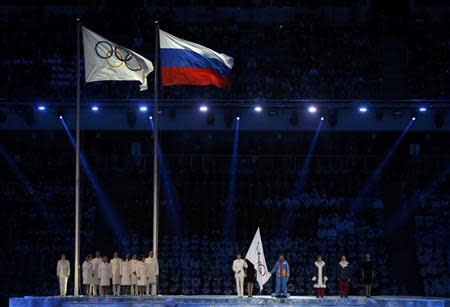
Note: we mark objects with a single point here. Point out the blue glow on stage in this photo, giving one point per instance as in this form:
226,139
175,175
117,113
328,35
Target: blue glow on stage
173,203
376,175
101,196
303,173
229,222
218,300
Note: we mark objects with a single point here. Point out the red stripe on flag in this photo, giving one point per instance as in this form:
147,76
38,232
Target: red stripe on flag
193,76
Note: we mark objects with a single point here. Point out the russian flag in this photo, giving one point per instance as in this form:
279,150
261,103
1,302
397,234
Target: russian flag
187,63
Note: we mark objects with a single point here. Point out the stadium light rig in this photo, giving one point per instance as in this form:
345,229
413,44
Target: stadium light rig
312,109
143,108
94,108
363,109
422,109
257,109
203,108
41,108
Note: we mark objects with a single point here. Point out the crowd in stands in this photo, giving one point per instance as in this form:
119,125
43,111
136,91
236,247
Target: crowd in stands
304,57
37,208
194,254
433,253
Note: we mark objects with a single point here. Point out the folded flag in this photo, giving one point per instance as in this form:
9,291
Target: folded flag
105,60
188,63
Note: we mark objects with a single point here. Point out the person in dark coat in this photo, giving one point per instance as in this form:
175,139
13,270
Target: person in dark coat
343,276
368,274
250,276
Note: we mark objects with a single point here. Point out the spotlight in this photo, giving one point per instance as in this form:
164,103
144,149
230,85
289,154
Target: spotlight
363,109
150,117
203,108
41,108
143,108
94,108
422,109
238,118
413,118
312,109
322,118
257,109
60,113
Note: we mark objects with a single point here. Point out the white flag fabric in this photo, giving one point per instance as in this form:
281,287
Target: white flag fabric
105,60
255,255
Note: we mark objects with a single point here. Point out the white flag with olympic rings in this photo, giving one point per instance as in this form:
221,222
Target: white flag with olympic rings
105,60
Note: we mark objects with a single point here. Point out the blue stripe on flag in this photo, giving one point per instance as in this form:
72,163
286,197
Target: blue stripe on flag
171,57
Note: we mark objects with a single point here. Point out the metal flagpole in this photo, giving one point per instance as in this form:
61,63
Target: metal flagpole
155,148
77,174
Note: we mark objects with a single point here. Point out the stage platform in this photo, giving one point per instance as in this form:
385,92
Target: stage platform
226,301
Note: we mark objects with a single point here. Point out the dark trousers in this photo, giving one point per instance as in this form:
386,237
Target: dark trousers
320,292
343,287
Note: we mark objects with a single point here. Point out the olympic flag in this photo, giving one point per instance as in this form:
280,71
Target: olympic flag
107,61
255,255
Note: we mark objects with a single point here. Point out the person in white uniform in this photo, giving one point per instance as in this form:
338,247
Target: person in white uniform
152,273
133,281
141,273
63,273
239,274
105,275
87,269
125,274
115,269
95,277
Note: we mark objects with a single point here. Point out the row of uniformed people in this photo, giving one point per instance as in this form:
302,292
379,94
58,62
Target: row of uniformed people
129,276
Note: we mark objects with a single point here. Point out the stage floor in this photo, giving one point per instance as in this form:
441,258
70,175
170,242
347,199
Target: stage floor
228,301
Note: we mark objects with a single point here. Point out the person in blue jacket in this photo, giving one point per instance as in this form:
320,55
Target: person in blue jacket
281,269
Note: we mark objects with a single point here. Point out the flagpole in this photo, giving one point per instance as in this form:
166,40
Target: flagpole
155,148
77,174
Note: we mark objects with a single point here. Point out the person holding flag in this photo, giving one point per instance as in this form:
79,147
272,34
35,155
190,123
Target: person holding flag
250,276
281,269
255,255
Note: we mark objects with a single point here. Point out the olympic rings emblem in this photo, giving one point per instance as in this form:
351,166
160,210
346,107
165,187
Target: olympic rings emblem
116,56
262,269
